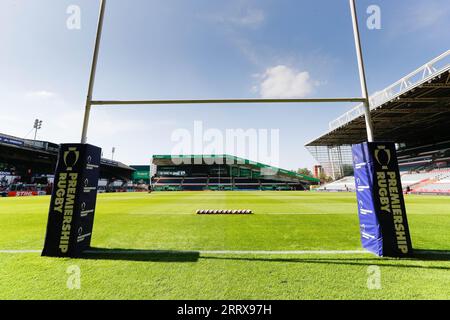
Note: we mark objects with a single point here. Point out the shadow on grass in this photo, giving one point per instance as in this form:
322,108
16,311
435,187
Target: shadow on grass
194,256
431,255
141,255
419,256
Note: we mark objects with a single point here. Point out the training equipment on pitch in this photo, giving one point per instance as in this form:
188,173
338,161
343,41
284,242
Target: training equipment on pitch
224,212
381,206
72,206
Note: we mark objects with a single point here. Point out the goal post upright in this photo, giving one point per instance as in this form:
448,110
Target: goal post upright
74,195
382,214
98,38
362,72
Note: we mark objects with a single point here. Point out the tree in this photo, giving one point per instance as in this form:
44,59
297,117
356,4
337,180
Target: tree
305,171
324,178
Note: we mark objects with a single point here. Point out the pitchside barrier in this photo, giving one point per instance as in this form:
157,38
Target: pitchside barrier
381,206
72,207
384,226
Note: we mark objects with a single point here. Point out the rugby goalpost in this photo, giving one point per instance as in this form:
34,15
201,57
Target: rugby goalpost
72,208
362,76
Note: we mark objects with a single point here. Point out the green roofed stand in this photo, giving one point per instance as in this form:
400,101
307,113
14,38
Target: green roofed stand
226,159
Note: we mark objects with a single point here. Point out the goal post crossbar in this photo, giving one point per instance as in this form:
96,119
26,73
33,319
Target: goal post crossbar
222,101
362,77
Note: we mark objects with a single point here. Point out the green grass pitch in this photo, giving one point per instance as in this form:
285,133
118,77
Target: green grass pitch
282,221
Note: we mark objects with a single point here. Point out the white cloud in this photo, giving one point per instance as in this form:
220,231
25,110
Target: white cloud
251,18
41,94
430,18
281,82
427,14
246,48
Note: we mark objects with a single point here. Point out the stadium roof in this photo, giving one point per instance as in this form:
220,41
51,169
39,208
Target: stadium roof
414,110
227,159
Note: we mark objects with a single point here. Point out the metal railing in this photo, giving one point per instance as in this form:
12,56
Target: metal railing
414,79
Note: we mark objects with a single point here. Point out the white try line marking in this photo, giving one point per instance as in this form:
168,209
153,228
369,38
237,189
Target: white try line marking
229,252
20,251
235,252
293,252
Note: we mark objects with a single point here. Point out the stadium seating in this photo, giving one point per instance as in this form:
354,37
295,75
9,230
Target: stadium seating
410,179
435,181
344,184
269,181
194,183
217,187
440,184
167,184
167,188
438,187
195,180
217,183
170,180
219,180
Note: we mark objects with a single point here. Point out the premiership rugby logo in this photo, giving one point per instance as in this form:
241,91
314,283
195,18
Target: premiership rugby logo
71,157
383,156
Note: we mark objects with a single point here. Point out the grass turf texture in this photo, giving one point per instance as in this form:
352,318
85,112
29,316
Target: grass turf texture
167,221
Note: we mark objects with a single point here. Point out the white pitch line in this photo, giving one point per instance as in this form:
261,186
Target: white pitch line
294,252
225,252
20,251
220,252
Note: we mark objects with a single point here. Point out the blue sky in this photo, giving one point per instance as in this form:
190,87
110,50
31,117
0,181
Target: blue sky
176,49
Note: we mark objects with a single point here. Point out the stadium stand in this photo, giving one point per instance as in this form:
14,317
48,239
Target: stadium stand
195,180
27,167
141,175
222,172
439,184
220,180
167,183
414,112
441,187
344,184
435,181
195,183
411,179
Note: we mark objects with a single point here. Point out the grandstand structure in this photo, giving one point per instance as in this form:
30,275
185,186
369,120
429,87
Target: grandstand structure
222,172
436,181
25,162
344,184
141,175
414,112
441,186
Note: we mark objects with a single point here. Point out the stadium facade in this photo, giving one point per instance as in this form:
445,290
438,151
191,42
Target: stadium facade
414,113
222,172
141,175
25,164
